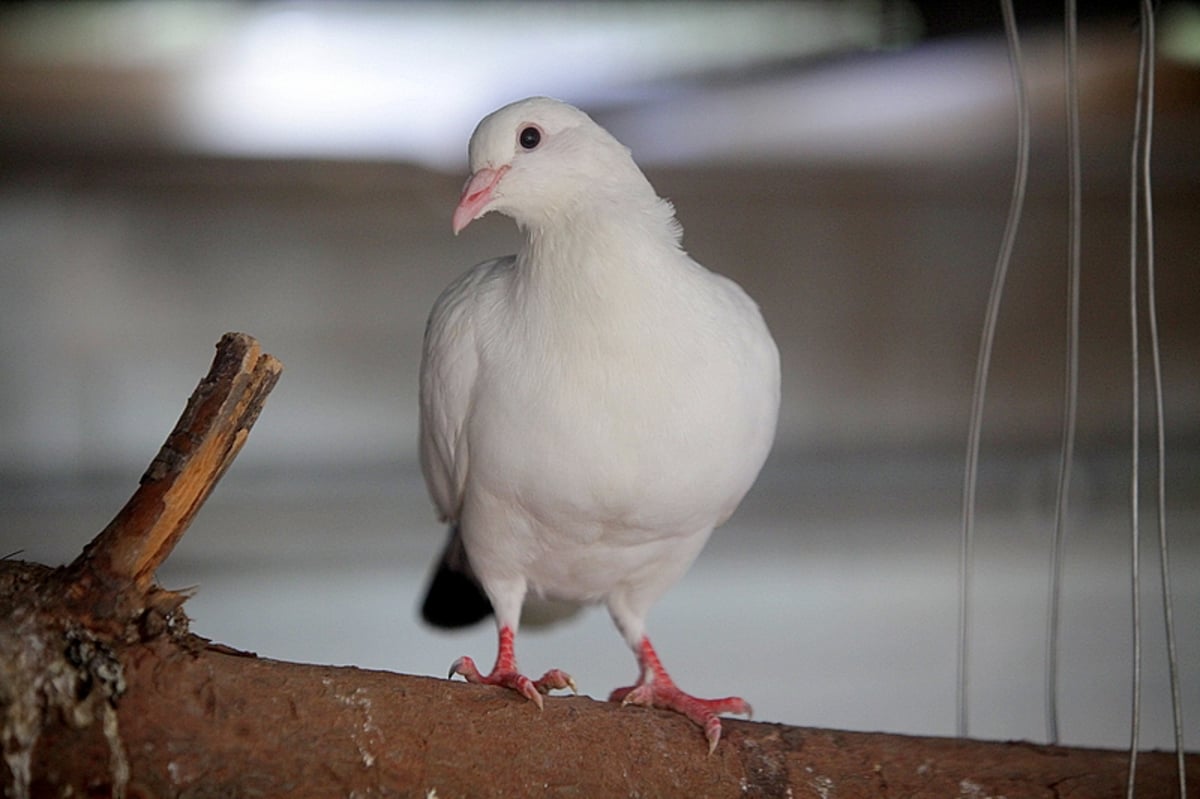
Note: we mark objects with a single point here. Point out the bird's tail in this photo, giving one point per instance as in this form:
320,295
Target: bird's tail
454,597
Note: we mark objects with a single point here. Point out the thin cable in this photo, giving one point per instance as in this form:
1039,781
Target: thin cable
983,363
1071,389
1134,532
1159,416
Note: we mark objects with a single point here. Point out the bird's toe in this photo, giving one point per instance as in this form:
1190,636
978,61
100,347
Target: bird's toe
642,695
556,680
465,667
702,712
553,680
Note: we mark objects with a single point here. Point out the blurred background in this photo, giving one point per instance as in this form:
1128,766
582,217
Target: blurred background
170,171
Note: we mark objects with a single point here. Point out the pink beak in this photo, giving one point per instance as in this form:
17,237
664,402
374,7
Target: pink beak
475,196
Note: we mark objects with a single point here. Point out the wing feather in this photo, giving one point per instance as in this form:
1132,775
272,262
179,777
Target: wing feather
449,368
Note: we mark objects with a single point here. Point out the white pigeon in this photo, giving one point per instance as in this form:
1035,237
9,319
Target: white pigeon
592,407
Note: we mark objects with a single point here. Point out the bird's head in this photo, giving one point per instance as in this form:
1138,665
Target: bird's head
537,158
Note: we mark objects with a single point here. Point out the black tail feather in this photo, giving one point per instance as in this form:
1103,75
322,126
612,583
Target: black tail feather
454,597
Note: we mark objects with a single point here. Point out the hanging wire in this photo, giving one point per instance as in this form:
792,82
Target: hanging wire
1139,139
1159,416
983,363
1071,389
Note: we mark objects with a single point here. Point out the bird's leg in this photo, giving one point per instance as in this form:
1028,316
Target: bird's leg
655,688
505,673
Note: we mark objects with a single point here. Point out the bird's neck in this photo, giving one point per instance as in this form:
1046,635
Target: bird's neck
599,266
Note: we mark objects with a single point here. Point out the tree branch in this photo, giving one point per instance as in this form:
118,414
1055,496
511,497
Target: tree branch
206,439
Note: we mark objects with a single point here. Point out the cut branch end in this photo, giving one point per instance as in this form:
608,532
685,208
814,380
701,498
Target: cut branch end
204,442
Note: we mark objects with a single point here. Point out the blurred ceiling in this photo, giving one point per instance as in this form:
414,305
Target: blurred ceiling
407,81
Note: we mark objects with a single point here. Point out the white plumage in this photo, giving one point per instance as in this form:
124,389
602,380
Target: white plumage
592,407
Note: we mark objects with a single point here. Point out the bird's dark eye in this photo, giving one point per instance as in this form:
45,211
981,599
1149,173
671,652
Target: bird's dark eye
530,137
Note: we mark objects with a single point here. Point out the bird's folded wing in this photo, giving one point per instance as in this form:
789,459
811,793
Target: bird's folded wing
449,366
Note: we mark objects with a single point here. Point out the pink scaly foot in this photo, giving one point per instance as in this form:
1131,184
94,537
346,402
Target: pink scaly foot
655,688
505,673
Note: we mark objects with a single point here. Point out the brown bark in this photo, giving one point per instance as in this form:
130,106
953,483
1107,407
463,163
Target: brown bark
104,692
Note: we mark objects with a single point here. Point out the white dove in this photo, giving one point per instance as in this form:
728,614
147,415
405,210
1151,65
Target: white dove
592,407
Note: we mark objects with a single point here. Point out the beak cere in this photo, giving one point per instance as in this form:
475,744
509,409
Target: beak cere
476,196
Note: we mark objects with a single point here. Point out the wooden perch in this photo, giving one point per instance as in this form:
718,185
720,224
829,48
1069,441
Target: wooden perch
105,692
